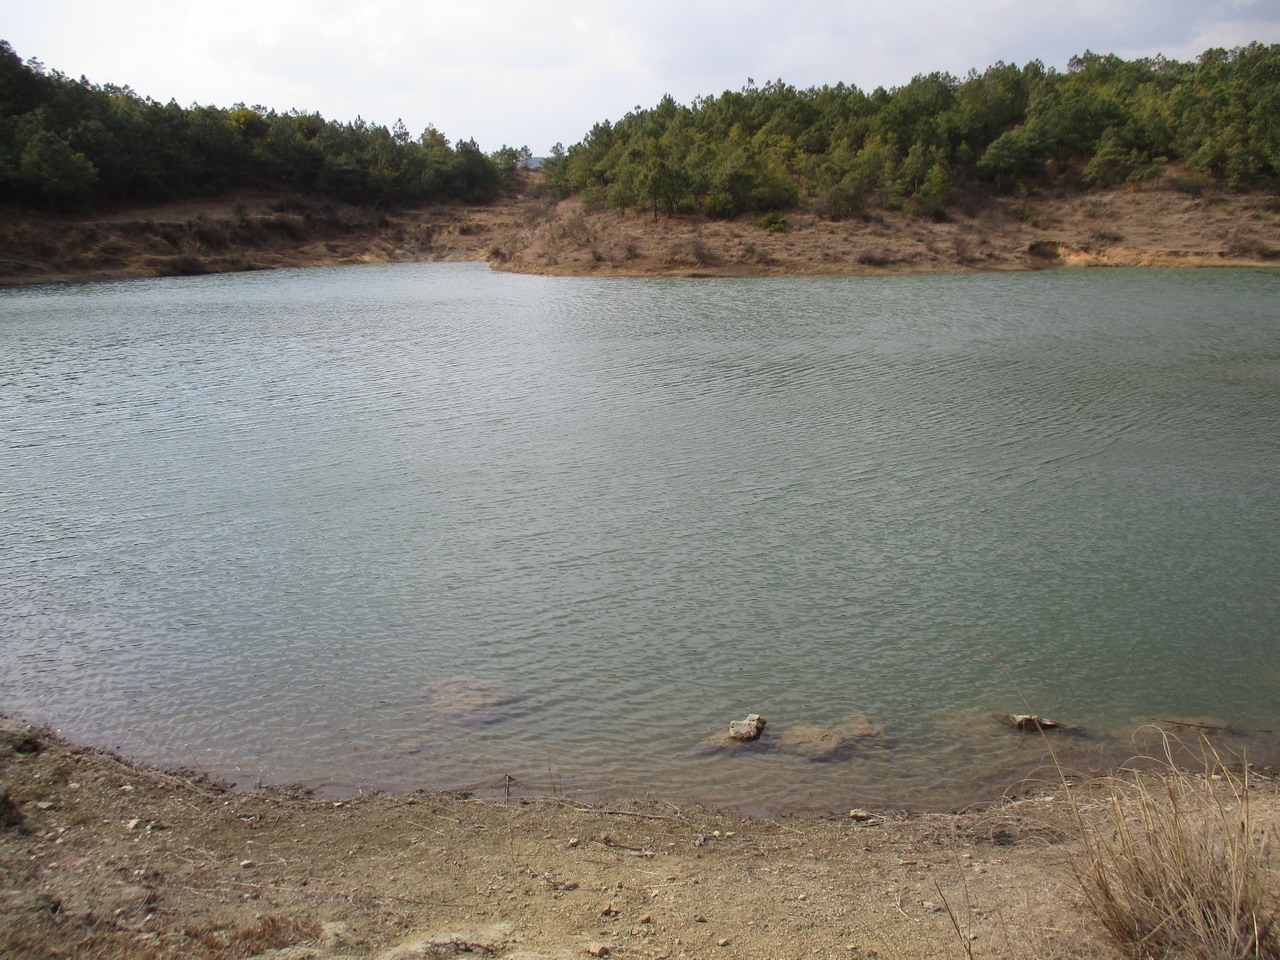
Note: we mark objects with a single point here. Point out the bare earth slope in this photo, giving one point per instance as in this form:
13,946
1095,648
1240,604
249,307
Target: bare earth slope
1153,225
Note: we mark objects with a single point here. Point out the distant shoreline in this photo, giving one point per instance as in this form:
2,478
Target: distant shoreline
1154,227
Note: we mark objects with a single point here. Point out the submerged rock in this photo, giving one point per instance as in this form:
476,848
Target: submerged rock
469,700
858,726
811,742
822,743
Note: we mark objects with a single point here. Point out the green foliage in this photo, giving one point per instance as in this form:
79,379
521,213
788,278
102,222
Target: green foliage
66,143
774,222
1103,122
60,175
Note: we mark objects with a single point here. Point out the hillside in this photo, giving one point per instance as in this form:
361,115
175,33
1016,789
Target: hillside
1153,224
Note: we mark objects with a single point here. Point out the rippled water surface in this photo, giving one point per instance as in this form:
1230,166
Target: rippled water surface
429,526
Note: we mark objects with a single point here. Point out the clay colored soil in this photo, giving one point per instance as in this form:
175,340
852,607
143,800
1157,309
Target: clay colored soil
102,858
1177,222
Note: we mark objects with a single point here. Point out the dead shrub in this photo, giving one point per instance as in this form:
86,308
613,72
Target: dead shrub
1173,865
702,253
695,252
574,230
268,933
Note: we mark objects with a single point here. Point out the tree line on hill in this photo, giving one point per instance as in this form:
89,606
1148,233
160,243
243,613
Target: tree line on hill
66,144
840,151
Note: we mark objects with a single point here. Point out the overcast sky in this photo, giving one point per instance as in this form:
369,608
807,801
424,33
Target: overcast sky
533,73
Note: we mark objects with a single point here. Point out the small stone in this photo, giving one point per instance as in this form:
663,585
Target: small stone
722,942
598,950
44,805
133,824
608,910
699,919
857,813
246,864
573,842
931,906
647,918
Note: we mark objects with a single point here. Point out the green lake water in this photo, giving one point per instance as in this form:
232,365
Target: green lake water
433,526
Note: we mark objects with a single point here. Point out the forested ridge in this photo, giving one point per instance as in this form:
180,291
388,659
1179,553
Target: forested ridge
834,150
839,151
66,144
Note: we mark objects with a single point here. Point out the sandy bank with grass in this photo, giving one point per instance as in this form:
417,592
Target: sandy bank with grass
104,858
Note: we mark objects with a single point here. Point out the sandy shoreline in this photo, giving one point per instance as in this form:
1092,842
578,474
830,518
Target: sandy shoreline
114,859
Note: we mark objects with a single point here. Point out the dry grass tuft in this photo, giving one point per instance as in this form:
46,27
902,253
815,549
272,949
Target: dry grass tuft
1173,865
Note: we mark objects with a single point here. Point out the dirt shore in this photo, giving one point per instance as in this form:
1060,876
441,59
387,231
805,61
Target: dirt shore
103,858
1177,222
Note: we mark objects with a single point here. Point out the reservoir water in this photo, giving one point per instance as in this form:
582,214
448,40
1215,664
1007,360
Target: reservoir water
433,526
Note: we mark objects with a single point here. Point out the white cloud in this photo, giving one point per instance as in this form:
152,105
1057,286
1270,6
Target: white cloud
524,73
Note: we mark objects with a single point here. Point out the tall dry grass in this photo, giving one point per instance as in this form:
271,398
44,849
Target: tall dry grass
1173,864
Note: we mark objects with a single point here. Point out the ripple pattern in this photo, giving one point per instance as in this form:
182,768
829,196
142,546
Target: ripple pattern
426,525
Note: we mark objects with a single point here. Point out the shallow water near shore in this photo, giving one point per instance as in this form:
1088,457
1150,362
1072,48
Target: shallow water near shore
431,526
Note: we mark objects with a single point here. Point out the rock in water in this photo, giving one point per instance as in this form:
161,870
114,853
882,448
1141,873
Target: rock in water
811,742
748,729
858,726
1027,722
